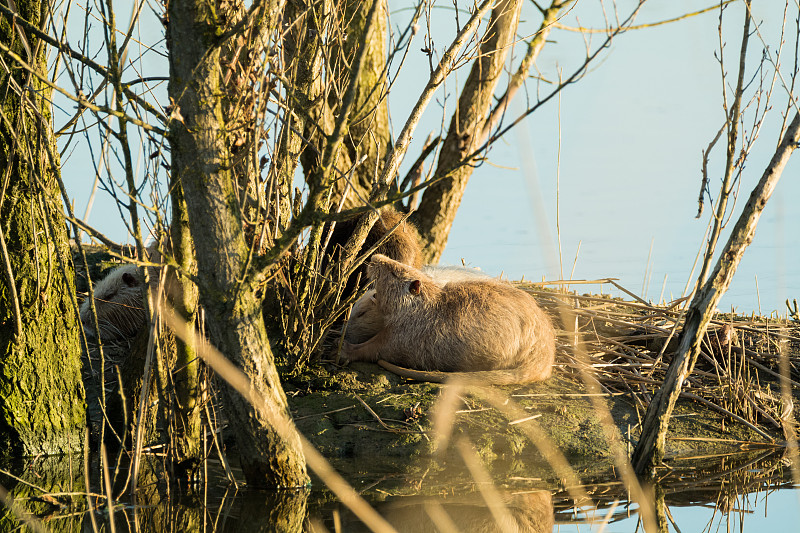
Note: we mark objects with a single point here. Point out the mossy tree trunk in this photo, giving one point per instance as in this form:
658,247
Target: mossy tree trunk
320,73
368,138
42,407
201,159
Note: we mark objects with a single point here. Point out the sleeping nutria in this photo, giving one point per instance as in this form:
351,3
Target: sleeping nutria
484,331
366,320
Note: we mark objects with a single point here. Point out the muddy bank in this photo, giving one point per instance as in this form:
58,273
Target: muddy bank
369,419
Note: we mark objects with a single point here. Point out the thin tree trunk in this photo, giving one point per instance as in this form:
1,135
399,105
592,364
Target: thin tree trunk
187,450
441,200
368,134
200,150
42,407
650,449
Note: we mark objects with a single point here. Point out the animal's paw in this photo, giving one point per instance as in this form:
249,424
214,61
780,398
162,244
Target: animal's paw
347,351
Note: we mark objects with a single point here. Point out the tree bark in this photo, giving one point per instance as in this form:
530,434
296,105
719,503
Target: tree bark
315,104
441,200
42,407
187,443
368,134
200,150
649,450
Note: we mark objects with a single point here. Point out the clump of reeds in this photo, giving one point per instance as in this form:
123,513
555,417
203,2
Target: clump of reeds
628,345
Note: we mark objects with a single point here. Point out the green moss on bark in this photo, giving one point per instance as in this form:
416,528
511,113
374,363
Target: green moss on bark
41,396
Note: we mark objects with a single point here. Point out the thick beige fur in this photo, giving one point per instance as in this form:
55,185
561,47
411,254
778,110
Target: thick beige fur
482,330
119,300
366,320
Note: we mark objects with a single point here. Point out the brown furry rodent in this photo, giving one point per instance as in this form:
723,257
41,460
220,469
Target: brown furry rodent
366,320
481,331
119,300
403,244
119,303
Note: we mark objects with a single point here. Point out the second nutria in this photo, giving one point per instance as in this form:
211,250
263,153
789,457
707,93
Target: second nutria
402,244
119,299
484,331
119,303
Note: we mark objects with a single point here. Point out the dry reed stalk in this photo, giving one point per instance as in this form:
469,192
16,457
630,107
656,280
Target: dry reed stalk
621,337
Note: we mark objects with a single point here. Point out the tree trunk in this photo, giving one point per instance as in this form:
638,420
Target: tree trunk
368,134
321,72
200,154
42,407
441,200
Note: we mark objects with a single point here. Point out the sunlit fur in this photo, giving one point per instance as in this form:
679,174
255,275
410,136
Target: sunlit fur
486,329
119,304
366,320
403,244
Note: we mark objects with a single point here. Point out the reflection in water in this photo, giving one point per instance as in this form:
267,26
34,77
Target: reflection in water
725,491
217,510
529,512
731,487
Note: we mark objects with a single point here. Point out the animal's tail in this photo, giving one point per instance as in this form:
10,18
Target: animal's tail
479,377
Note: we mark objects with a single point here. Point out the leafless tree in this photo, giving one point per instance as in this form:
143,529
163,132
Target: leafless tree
199,137
746,105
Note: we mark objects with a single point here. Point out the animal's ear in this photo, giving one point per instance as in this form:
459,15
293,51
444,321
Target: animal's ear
414,287
130,280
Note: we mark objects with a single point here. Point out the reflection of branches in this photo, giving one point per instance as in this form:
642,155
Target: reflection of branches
716,481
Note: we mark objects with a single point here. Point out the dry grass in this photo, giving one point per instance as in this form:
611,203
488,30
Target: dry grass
628,347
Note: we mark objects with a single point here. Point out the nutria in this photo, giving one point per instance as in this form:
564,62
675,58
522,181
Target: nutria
403,244
119,300
366,320
483,331
119,304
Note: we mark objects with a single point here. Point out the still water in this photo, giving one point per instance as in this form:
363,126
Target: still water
749,492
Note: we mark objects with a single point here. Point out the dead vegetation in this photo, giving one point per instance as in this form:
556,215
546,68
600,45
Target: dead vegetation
628,346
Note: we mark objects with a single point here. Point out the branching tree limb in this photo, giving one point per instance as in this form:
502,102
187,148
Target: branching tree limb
441,200
650,448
